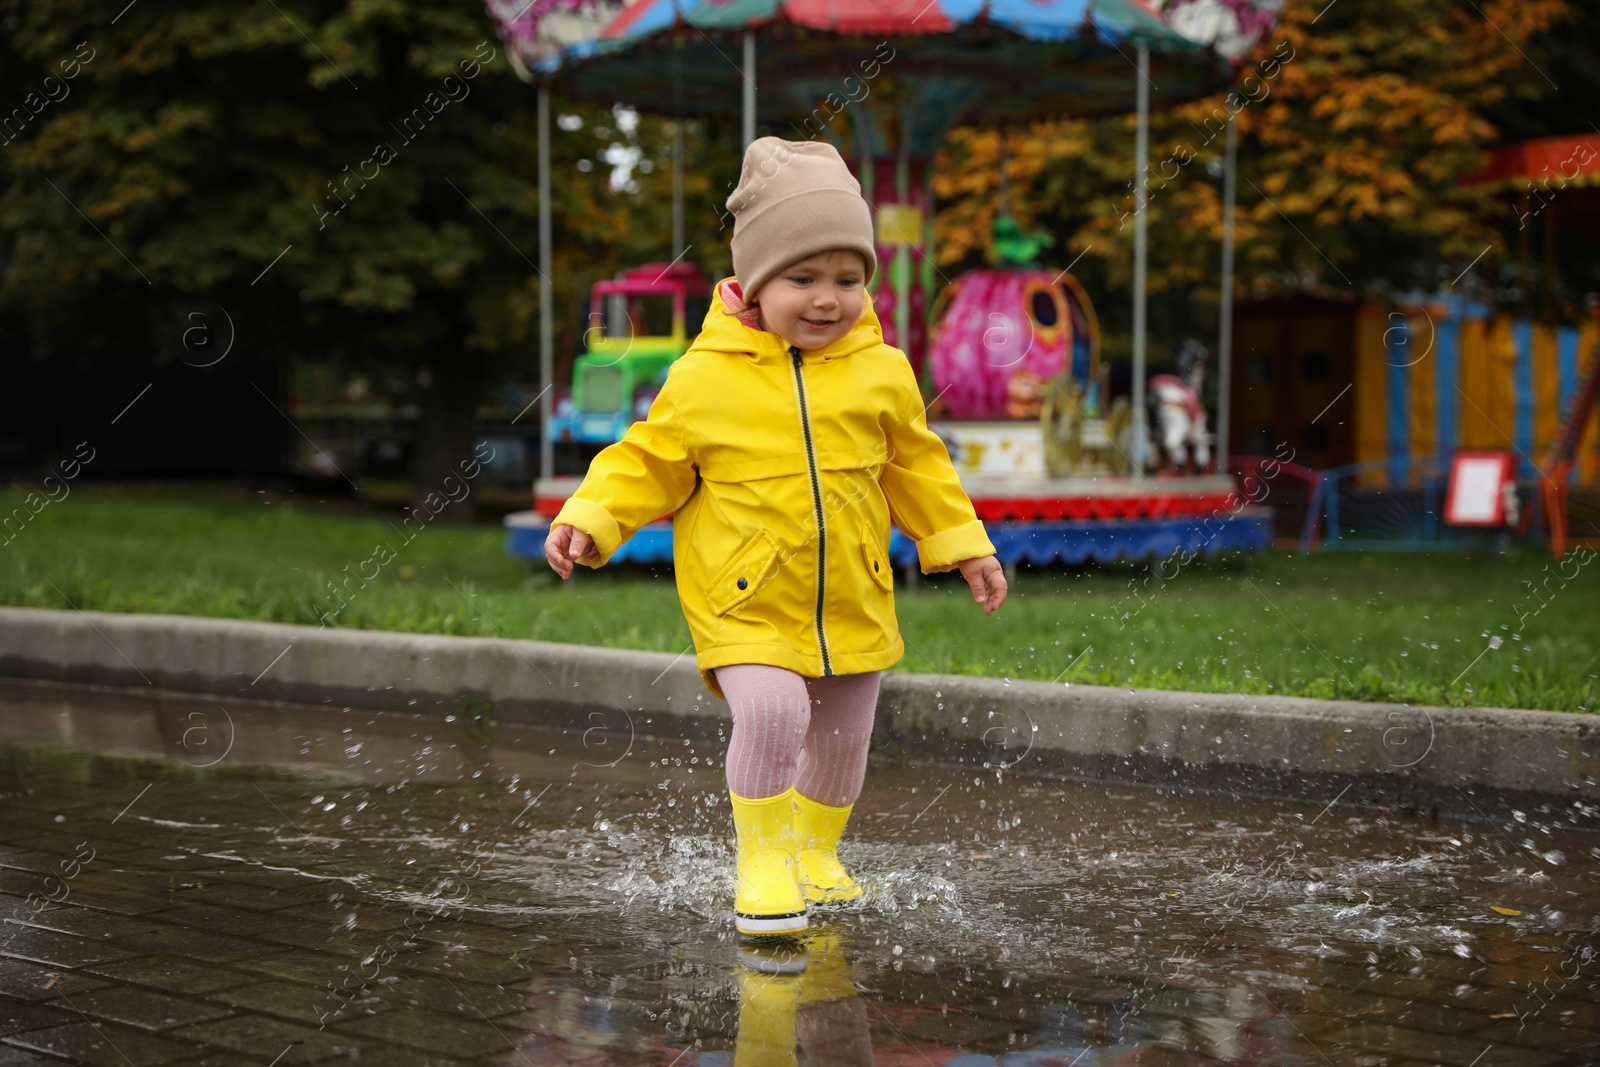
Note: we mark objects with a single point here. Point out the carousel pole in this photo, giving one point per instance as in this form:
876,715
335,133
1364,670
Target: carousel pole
1230,176
1141,432
749,87
546,294
902,255
677,161
677,189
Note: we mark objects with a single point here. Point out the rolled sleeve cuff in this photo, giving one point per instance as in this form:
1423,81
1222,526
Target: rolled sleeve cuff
944,550
594,520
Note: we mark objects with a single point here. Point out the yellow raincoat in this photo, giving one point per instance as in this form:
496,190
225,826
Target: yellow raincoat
783,469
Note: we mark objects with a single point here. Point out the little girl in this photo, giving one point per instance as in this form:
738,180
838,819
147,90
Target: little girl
784,441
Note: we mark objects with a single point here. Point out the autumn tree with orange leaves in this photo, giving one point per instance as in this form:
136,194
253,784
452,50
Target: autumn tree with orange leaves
1354,122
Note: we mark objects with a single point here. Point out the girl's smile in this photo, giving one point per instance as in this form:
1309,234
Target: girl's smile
816,301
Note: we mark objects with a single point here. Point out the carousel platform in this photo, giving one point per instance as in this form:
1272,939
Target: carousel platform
1078,499
1040,521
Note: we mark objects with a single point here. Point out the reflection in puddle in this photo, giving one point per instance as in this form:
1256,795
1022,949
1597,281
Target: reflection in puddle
422,890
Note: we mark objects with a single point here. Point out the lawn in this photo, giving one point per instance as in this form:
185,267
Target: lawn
1446,629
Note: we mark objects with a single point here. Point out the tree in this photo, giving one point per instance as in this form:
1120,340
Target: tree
354,183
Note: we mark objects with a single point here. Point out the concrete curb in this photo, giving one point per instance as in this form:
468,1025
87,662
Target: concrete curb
1435,760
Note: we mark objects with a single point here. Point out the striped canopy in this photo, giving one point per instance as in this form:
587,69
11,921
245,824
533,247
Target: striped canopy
984,60
1112,21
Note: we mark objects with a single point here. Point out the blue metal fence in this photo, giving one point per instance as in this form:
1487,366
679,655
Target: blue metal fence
1405,515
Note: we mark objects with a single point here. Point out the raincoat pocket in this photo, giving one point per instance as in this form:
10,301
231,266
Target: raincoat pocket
753,563
877,559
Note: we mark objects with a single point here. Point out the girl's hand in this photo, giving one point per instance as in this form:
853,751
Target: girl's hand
562,545
987,580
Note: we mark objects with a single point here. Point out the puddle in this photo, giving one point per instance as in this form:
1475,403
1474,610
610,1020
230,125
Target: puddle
187,883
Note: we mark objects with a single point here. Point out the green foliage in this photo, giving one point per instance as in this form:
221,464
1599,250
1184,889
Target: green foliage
384,149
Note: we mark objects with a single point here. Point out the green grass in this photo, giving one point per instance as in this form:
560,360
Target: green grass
1396,627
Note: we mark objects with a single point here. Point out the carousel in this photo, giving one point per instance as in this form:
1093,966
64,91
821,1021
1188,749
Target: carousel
1059,469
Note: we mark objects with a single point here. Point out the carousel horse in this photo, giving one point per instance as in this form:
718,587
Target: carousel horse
1177,417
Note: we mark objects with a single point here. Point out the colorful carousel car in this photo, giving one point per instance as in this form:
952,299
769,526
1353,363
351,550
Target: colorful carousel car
638,324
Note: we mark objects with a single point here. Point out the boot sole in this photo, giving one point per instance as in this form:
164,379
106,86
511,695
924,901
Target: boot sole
769,925
853,904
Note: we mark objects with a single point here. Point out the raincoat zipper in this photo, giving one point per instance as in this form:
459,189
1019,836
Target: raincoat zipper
816,501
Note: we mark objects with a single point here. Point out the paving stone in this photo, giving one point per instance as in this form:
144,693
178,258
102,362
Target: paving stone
28,860
311,935
257,1036
171,974
323,912
297,893
241,921
57,845
121,898
104,1043
16,1018
87,922
301,1003
315,968
145,1009
19,884
29,981
16,1057
64,950
288,882
449,1034
195,944
227,892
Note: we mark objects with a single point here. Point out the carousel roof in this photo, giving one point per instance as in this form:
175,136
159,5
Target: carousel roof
1112,21
1004,59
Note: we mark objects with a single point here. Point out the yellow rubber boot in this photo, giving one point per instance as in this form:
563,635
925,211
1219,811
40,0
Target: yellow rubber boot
769,901
817,829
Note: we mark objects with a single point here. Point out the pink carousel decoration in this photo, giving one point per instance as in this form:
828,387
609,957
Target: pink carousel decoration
1005,331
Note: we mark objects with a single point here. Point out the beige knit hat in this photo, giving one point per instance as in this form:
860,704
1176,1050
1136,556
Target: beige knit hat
795,199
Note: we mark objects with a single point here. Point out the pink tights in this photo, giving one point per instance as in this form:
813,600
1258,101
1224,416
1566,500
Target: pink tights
811,733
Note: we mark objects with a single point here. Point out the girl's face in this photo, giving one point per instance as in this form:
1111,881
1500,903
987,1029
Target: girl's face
816,301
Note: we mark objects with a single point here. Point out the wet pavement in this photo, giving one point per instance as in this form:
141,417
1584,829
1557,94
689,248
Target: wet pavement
183,882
